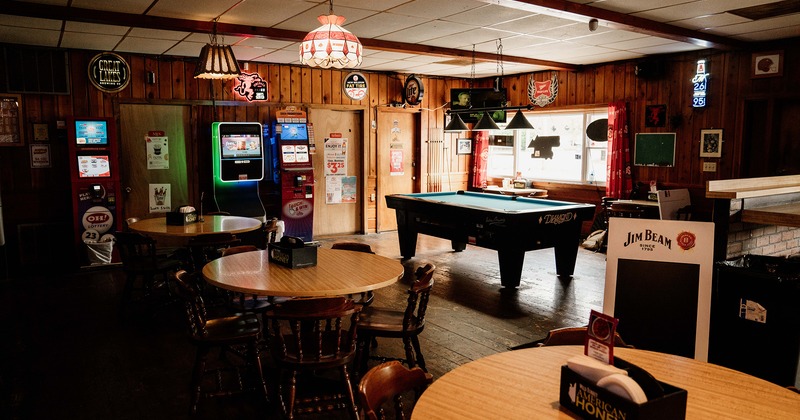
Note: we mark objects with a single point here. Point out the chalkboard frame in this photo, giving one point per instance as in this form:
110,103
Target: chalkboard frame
654,149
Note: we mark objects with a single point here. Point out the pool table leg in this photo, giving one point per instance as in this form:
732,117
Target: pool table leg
566,252
511,261
458,246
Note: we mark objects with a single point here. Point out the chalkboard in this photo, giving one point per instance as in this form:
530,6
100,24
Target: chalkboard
654,149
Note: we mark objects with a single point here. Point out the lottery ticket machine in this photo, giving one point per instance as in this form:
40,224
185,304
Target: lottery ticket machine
295,174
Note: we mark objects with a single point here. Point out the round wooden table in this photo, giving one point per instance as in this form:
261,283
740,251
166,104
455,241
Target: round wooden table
158,227
524,384
338,272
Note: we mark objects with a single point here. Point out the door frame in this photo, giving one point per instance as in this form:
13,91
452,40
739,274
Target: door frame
366,146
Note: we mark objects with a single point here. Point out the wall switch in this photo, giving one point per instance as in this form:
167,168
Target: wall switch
709,166
372,197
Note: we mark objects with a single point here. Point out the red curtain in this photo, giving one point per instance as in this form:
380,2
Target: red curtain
480,155
619,180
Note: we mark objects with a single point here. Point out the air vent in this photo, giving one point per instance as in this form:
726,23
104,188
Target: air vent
770,10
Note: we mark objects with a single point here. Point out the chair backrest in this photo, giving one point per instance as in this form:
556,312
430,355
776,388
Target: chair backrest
313,332
206,247
418,295
129,221
574,336
135,249
353,246
271,230
387,382
196,315
238,249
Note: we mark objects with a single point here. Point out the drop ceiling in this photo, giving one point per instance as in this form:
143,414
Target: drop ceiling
430,37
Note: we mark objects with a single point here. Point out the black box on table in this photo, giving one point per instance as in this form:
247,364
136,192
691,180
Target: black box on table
175,218
293,254
584,398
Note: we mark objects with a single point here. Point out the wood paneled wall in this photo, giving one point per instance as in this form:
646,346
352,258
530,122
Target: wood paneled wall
43,195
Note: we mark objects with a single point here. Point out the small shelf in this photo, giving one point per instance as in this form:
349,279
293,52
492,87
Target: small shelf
782,215
753,187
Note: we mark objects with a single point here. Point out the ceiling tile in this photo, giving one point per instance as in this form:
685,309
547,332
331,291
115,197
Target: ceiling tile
307,20
426,32
158,34
202,10
773,33
29,36
26,22
264,43
259,14
145,45
124,6
436,9
100,42
488,15
186,49
384,23
95,28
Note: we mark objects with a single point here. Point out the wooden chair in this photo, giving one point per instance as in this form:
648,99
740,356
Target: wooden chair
271,230
140,259
224,333
365,298
307,337
406,324
388,382
209,246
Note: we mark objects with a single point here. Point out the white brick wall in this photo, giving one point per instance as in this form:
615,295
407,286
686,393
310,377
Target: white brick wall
748,238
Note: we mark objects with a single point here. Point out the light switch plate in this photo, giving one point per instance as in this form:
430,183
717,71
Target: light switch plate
709,166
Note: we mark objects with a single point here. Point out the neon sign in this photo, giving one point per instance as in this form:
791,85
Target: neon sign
700,83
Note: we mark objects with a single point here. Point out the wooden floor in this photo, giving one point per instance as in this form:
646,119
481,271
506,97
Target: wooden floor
65,353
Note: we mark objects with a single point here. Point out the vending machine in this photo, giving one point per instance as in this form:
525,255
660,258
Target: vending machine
239,160
295,175
94,175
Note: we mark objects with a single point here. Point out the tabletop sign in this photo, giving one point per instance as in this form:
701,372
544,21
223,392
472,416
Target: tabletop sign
109,72
355,86
413,90
600,337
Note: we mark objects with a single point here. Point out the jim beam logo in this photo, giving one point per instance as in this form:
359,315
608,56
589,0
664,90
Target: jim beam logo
589,402
648,239
109,72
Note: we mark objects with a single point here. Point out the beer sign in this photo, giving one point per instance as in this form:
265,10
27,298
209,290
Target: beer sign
109,72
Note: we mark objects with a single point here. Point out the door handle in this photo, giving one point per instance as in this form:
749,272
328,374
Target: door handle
128,190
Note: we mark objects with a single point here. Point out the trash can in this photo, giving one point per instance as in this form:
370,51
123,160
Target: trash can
99,252
755,323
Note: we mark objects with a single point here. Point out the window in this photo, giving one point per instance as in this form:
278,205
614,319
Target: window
556,150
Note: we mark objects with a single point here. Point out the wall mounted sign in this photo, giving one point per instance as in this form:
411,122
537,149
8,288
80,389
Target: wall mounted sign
655,115
355,86
543,93
109,72
11,132
251,87
413,90
40,155
700,84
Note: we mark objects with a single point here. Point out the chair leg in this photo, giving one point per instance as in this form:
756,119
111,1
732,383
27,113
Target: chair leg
362,355
410,360
292,394
420,359
253,349
197,379
351,397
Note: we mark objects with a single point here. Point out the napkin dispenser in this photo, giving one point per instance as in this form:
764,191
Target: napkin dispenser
183,216
583,397
292,252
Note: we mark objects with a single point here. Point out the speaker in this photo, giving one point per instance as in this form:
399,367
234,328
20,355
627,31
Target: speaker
650,70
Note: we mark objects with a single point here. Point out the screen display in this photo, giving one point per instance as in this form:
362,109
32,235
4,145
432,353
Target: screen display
94,166
240,145
91,133
294,132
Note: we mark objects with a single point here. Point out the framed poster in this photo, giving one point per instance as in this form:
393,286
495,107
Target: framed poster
711,143
40,132
11,132
40,155
462,98
767,64
463,146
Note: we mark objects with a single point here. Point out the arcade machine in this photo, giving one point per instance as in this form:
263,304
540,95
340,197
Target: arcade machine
295,175
94,175
238,155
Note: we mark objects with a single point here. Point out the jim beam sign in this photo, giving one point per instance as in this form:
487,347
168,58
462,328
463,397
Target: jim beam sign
109,72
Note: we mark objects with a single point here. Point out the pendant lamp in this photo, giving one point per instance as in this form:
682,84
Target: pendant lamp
330,45
456,124
485,123
217,61
519,122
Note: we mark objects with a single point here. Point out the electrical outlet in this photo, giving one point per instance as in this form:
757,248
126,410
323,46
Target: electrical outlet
709,166
372,197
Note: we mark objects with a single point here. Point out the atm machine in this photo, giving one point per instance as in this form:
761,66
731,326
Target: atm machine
238,156
294,173
94,176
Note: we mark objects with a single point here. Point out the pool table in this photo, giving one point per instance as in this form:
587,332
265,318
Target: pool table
508,224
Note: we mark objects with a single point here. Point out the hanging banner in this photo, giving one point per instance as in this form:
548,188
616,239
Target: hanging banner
160,198
335,156
157,150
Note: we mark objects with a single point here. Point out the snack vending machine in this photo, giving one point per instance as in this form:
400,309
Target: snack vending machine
94,175
295,175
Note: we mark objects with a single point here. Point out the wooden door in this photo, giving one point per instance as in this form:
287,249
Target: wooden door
136,121
398,135
339,214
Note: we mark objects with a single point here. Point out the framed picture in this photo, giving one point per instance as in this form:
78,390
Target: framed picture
655,116
711,143
40,132
463,146
11,132
767,64
462,98
40,155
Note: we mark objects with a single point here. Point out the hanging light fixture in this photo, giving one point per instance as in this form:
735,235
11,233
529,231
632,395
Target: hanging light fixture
456,124
485,123
217,61
330,45
519,122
